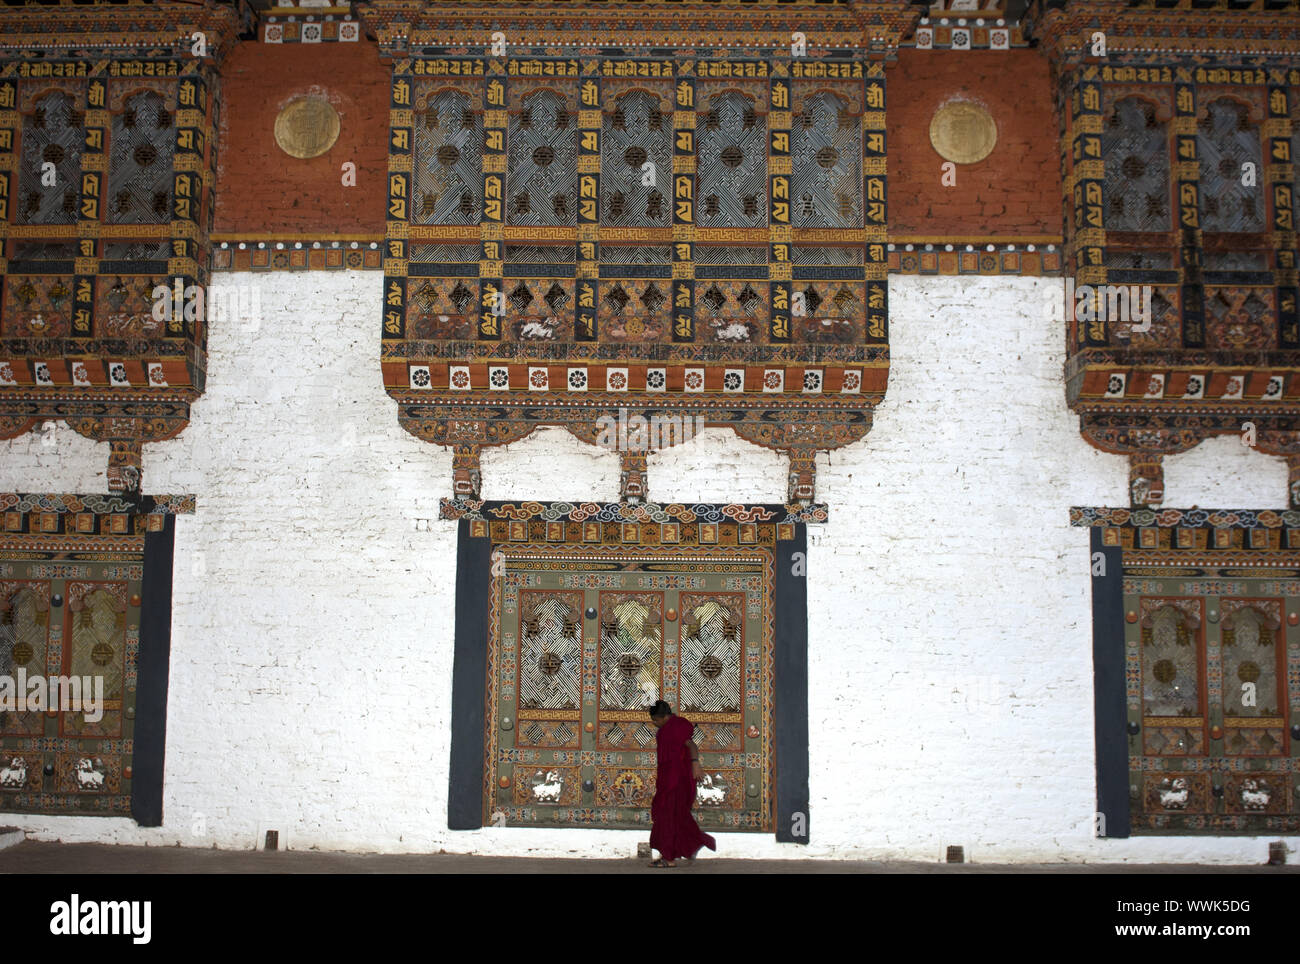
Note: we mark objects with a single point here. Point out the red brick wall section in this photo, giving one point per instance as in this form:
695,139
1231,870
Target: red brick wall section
1016,190
262,191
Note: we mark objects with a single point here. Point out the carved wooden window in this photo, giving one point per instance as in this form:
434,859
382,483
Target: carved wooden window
1172,684
449,159
542,186
826,146
24,642
1227,140
636,133
550,660
1254,691
53,133
98,644
140,169
1135,143
712,653
731,139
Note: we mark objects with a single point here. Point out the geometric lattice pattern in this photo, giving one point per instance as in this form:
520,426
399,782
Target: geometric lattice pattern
98,636
140,180
1228,141
448,159
712,648
543,147
577,653
631,650
636,133
1136,147
827,158
550,652
24,640
53,134
732,136
1171,659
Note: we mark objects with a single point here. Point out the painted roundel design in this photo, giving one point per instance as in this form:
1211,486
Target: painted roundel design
307,127
963,132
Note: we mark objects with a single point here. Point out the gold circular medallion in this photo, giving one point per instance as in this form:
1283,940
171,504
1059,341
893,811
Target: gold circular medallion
307,127
963,132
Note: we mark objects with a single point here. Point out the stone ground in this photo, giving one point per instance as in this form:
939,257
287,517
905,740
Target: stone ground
36,857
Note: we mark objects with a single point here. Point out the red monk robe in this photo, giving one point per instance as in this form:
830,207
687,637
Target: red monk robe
674,832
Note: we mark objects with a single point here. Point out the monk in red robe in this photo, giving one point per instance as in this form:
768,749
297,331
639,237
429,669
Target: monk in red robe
674,832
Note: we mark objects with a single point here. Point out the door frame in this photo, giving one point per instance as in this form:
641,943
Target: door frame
482,526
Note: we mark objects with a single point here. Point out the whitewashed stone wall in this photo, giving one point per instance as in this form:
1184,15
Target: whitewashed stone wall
950,636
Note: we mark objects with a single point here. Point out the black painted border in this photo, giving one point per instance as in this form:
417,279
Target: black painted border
791,696
1110,704
153,669
468,678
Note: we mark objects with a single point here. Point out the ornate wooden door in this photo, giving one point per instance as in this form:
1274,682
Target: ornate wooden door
583,640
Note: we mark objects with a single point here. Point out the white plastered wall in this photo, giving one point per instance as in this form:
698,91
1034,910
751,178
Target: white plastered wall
950,670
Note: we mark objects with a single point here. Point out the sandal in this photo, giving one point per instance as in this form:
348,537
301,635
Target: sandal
660,862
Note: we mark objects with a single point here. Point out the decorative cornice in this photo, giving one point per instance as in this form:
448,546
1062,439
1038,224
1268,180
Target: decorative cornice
1159,32
875,26
1194,518
632,513
165,28
96,504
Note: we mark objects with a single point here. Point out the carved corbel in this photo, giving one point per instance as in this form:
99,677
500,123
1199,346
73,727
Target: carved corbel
1146,479
1293,481
448,430
126,438
632,478
1146,448
466,473
803,476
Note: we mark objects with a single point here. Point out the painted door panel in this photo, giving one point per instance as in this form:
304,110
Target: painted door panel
582,643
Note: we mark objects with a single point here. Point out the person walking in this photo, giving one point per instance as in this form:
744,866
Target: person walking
674,832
